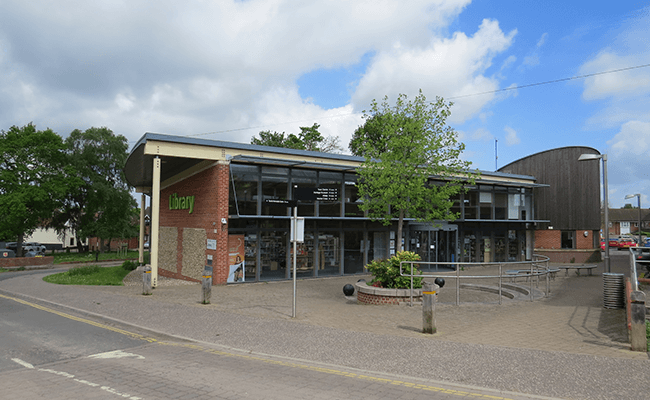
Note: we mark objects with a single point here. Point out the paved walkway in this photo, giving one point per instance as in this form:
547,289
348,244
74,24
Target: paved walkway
566,345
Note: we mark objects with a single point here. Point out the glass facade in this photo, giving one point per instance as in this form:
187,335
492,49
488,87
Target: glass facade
491,224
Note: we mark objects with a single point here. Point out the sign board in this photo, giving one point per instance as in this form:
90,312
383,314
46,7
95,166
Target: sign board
279,202
300,230
314,194
212,244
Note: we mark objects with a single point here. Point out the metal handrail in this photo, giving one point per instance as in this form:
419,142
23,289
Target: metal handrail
633,275
538,267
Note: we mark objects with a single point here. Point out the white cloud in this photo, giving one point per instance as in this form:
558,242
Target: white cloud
511,136
448,67
633,140
229,68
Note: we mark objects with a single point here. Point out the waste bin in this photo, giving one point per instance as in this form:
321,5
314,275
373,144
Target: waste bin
614,290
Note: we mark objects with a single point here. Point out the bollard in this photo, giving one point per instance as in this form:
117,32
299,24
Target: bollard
146,281
207,284
429,307
638,338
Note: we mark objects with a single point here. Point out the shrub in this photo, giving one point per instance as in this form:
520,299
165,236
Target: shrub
386,272
129,265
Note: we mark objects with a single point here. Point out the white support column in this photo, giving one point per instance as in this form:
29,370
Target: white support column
141,245
155,221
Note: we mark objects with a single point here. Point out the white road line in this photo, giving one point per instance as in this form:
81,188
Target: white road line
23,363
116,354
82,381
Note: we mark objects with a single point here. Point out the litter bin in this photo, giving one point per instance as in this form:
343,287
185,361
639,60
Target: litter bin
614,290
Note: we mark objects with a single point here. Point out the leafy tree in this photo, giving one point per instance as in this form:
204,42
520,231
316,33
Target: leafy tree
372,133
101,206
407,144
34,179
309,138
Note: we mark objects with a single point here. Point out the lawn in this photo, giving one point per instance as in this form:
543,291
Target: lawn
60,258
92,275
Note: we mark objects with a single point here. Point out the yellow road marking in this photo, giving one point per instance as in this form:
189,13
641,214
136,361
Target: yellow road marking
261,359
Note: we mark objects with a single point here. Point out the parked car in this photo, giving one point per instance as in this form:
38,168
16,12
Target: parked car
613,243
34,247
626,243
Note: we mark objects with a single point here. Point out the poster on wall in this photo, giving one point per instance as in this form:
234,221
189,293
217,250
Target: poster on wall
236,261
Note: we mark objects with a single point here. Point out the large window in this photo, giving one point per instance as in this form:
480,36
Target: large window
274,187
330,180
243,190
568,239
352,200
304,179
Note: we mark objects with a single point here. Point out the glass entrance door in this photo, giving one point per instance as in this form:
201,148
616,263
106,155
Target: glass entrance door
434,246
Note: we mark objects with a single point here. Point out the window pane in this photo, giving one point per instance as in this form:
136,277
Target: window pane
244,180
352,200
304,179
330,180
329,253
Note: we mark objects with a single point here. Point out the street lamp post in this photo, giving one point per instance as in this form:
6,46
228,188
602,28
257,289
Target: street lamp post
629,196
585,157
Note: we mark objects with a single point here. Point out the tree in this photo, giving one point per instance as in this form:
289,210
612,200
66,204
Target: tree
101,205
372,133
309,138
34,179
404,147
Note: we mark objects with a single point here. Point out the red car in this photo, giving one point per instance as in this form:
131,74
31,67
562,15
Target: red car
626,243
613,243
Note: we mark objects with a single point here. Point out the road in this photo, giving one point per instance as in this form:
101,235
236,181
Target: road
52,353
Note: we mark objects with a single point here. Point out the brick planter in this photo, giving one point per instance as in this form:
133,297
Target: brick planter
374,295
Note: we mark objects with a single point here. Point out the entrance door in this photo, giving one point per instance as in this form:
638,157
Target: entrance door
434,246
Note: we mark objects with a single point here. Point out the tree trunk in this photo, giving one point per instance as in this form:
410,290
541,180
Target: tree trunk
398,244
19,245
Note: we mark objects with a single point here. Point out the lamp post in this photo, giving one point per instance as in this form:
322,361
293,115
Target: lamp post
629,196
586,157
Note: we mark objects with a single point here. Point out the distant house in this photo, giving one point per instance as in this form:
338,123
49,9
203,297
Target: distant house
625,221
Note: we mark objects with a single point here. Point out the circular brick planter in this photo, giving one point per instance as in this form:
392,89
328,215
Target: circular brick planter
374,295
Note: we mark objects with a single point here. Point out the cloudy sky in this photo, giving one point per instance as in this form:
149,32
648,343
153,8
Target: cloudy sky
228,69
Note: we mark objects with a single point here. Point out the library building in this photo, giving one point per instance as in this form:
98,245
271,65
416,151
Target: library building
229,205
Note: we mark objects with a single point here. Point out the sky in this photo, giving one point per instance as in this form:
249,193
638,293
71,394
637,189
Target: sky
226,70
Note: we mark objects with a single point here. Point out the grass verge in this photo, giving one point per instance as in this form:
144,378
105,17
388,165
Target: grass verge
90,275
60,258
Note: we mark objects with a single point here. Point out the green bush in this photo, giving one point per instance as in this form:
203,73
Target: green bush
386,272
129,265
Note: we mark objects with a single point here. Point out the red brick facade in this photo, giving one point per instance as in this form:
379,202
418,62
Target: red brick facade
548,242
210,191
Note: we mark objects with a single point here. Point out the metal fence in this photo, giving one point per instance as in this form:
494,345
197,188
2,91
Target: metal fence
461,271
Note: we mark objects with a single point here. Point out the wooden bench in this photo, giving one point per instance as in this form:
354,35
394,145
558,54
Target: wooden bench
566,268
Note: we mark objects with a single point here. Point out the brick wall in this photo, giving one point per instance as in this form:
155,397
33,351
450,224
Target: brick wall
548,239
368,298
25,261
210,191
